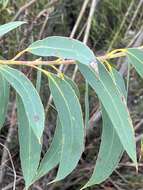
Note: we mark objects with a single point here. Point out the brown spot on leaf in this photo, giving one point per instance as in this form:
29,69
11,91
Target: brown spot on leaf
122,98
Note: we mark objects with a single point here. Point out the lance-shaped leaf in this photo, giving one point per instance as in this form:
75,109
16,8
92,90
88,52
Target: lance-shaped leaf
135,57
30,149
4,98
62,47
70,116
52,157
111,149
30,98
115,105
5,28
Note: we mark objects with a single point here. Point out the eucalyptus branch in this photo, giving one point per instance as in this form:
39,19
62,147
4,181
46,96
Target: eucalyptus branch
60,61
36,62
69,135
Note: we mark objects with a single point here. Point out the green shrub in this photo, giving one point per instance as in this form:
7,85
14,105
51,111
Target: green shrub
68,141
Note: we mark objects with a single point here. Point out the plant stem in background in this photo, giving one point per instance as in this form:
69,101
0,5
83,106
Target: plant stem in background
121,25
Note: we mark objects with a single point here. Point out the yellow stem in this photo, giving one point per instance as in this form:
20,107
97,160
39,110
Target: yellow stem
19,54
37,62
65,62
111,55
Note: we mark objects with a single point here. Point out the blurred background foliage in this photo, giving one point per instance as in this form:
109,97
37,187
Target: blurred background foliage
116,24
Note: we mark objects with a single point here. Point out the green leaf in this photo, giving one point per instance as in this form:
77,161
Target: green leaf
109,155
52,157
30,149
135,57
62,47
73,85
114,104
4,98
5,28
119,82
30,98
111,149
70,116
